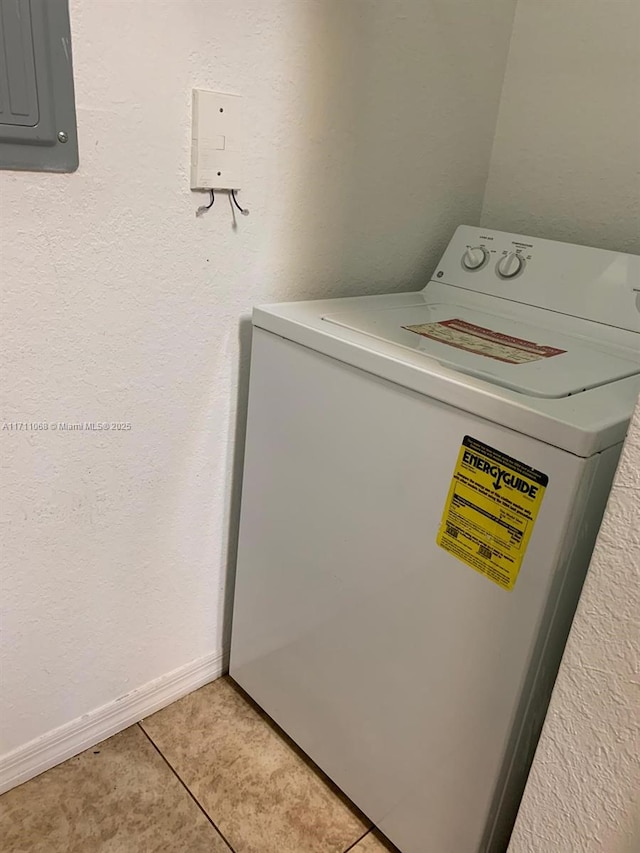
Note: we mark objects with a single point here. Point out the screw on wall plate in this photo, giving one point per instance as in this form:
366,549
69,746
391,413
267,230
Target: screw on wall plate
63,136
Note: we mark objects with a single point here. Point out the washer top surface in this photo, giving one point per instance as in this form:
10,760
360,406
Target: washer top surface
542,337
525,357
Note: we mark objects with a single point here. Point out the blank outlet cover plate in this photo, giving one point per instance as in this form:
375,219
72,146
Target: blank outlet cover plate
216,150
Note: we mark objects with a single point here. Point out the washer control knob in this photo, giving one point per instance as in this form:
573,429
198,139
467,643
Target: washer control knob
474,258
510,265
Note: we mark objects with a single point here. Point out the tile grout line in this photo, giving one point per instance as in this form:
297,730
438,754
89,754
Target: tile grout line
184,785
358,840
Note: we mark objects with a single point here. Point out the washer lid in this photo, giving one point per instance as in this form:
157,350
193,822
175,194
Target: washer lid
525,358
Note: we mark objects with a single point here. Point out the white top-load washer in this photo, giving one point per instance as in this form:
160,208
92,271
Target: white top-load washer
425,476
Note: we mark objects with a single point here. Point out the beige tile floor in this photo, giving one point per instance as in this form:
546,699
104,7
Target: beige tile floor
208,774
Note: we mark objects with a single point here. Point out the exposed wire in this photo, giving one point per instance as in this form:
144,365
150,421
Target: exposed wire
243,210
206,207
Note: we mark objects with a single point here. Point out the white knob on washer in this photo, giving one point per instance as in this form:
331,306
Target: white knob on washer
510,265
474,258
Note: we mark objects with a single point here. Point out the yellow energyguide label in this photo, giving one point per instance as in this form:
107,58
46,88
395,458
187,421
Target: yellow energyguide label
490,511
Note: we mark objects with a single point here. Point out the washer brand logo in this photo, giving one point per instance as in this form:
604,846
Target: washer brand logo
500,476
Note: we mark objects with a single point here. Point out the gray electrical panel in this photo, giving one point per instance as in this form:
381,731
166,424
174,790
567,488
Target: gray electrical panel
37,106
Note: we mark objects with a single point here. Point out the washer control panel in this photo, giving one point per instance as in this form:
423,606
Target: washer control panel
507,262
579,281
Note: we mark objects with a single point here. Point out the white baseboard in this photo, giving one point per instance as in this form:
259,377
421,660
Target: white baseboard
68,740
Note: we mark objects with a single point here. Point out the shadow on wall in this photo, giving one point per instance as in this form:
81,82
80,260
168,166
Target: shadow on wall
237,464
383,147
567,167
394,126
632,844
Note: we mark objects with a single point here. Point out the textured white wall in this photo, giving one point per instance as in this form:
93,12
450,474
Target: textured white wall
566,165
371,124
566,158
583,793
